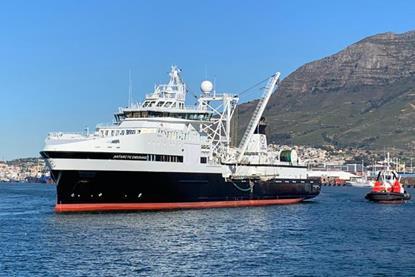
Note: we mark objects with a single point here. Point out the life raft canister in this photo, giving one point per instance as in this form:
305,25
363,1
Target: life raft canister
396,187
378,186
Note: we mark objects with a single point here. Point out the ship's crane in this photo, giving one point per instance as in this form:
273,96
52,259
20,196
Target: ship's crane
256,117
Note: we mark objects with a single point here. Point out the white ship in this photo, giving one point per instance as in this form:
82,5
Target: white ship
161,154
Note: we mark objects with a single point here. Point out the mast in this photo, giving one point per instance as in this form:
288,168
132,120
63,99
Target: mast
256,117
219,128
388,163
130,89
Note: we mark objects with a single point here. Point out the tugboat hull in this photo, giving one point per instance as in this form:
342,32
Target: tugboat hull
388,197
111,191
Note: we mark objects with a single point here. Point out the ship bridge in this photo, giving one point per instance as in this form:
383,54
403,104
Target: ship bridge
166,101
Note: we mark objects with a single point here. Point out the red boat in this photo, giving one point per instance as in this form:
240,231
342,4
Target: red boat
388,188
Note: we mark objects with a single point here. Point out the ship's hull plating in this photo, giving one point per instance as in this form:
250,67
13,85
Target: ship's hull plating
110,191
388,197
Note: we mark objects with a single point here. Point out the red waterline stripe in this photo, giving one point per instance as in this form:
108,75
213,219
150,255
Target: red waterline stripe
170,206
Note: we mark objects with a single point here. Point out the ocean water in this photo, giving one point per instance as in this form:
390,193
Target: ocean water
337,234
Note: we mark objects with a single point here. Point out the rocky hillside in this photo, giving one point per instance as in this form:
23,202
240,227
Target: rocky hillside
363,96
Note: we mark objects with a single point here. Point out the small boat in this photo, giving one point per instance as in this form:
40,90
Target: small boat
388,188
359,182
388,197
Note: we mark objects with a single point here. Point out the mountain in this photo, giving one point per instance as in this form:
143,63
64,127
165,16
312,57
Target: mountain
362,96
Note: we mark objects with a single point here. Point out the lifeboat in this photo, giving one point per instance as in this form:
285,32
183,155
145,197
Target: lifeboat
388,188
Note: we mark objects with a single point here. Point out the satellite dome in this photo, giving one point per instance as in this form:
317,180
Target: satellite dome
206,86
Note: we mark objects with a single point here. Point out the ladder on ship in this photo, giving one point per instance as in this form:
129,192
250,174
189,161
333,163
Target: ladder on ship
256,116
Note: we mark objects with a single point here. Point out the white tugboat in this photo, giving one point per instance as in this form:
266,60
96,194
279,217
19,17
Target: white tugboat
161,154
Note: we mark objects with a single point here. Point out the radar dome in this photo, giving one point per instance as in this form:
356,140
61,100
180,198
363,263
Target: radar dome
206,86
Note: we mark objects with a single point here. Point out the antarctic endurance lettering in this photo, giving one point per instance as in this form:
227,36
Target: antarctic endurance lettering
130,157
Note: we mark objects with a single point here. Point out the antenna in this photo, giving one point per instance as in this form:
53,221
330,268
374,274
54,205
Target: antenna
206,75
130,89
214,85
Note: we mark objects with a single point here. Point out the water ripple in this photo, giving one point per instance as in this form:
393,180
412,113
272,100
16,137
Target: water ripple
338,234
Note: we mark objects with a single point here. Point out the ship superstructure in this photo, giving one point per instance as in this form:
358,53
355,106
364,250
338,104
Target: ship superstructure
162,154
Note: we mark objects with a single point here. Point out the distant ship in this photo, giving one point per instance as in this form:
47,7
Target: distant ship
161,154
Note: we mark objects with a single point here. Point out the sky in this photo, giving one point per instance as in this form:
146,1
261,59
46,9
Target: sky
64,64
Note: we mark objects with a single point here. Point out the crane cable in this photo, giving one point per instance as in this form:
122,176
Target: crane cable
240,93
255,85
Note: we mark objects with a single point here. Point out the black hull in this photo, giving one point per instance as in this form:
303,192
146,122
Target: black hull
388,197
142,190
